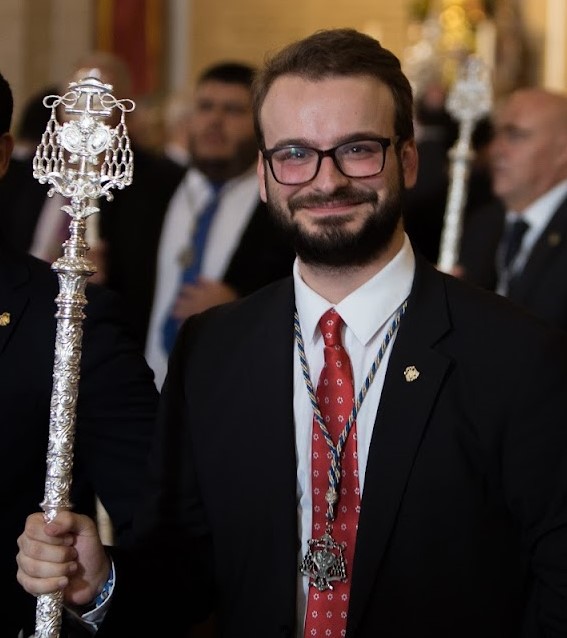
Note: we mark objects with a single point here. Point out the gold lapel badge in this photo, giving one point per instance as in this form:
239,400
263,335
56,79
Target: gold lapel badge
554,239
4,319
411,373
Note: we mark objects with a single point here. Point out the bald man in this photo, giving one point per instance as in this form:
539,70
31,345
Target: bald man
525,261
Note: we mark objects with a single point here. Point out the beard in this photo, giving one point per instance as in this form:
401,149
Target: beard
332,244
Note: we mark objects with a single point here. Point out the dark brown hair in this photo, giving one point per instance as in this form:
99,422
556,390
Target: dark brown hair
338,52
229,73
6,105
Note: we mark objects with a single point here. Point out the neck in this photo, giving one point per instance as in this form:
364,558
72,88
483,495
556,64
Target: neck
336,283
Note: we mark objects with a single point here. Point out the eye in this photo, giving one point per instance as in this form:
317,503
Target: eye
359,149
293,154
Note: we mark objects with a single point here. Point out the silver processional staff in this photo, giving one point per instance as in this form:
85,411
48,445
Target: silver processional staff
470,99
82,160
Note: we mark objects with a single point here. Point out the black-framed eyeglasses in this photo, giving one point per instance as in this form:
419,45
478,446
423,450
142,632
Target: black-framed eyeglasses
294,165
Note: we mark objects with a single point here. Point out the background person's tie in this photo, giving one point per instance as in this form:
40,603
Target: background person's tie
193,267
327,610
513,235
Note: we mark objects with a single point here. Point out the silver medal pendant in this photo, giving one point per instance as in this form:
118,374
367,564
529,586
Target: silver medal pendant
324,562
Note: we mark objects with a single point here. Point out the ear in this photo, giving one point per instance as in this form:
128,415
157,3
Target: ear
6,148
261,172
409,161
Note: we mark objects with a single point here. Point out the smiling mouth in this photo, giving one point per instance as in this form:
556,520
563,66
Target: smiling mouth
331,208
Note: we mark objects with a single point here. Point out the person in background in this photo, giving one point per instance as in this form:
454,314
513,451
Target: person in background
517,244
116,406
19,192
426,202
31,124
124,235
419,488
176,124
218,241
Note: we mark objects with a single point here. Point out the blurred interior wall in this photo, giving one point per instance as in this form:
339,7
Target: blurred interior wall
40,39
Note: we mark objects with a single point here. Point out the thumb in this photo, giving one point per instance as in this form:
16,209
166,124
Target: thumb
66,522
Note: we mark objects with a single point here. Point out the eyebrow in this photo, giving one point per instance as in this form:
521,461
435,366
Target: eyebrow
513,131
351,137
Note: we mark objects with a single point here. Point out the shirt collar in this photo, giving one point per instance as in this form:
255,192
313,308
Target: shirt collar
368,307
539,212
199,180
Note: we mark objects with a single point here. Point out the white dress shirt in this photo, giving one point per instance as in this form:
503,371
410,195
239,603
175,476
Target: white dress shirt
367,313
240,197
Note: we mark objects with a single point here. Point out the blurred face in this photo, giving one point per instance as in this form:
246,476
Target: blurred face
222,141
335,220
528,154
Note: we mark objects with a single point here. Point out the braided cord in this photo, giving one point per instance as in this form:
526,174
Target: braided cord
334,472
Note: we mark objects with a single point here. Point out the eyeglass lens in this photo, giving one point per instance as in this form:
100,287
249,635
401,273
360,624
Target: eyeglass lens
296,164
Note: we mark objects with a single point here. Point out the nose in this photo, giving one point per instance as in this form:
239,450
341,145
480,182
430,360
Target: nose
496,147
329,177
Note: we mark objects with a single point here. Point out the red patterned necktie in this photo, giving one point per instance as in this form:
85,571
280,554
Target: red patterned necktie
327,610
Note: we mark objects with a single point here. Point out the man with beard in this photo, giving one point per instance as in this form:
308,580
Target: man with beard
420,490
218,242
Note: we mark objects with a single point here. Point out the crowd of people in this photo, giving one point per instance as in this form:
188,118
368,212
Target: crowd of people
299,425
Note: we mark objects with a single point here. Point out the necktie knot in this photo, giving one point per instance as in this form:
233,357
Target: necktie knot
513,239
330,325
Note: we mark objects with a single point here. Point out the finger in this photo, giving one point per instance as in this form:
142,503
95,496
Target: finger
37,529
41,576
53,550
38,586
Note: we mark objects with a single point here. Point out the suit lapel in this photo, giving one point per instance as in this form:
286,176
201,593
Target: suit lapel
415,374
549,243
272,371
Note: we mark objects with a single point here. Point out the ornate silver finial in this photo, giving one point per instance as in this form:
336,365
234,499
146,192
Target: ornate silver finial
82,160
69,154
471,95
469,100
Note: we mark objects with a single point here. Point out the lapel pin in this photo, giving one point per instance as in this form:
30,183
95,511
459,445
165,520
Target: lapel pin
554,239
411,373
4,319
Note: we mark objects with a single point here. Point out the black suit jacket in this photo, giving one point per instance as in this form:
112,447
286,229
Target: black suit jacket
463,526
115,412
542,285
130,224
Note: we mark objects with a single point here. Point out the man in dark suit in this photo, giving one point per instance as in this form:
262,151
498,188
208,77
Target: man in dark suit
528,160
457,523
115,412
210,254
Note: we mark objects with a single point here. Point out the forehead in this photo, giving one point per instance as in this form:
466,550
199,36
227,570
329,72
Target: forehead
222,91
525,111
323,112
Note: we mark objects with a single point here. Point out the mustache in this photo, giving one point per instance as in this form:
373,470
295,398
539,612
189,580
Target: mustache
346,195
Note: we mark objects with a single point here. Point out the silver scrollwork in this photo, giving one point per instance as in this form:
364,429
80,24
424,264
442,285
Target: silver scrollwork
324,562
82,159
469,99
